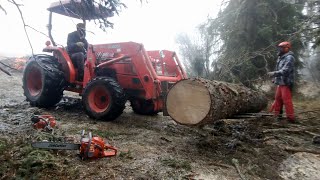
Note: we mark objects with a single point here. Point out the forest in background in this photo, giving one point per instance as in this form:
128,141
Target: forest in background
239,44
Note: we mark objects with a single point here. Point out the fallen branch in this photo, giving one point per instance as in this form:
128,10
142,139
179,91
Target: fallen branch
313,117
290,149
288,130
268,138
5,71
165,139
252,115
314,111
311,133
8,66
220,164
235,162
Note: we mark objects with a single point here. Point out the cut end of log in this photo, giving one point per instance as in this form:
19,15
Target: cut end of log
199,101
189,102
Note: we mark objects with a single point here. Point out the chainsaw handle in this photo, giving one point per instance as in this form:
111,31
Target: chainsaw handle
35,119
108,147
82,133
89,144
90,137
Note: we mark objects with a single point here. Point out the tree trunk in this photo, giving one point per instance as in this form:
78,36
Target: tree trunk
200,101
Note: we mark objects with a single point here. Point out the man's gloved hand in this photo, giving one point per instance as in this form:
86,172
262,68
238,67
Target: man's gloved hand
80,44
271,74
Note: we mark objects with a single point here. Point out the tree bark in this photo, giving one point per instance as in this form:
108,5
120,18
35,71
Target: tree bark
200,101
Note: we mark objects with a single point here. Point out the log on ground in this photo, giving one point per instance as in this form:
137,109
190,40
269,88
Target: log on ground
200,101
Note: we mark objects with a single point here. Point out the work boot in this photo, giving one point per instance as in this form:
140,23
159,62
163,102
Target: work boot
279,117
293,121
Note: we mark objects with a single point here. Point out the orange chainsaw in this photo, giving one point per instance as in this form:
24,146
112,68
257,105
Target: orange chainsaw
90,147
45,122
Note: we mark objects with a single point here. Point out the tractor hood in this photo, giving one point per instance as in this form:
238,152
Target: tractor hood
76,9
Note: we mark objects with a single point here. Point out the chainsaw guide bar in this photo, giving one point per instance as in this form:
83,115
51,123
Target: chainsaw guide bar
56,145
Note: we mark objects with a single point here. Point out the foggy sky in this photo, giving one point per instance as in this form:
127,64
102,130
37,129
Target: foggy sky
155,24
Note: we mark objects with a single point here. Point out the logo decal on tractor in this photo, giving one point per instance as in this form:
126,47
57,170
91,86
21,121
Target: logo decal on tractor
114,46
102,56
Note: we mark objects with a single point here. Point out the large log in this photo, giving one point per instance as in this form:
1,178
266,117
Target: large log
200,101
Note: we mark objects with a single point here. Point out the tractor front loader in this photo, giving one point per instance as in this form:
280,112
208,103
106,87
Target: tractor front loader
113,74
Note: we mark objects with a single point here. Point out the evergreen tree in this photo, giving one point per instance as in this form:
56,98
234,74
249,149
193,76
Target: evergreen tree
312,37
250,31
240,43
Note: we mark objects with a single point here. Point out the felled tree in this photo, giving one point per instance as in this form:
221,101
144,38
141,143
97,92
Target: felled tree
200,101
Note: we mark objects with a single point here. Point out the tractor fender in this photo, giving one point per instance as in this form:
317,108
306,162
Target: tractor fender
63,57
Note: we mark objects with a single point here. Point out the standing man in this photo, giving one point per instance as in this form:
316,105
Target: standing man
284,78
77,48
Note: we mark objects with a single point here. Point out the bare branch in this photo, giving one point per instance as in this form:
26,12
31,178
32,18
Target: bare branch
37,31
5,71
1,8
23,21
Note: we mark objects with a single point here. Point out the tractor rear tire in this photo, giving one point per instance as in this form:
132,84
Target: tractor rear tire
104,99
43,81
143,107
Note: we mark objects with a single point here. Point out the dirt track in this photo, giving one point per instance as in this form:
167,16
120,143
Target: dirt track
155,147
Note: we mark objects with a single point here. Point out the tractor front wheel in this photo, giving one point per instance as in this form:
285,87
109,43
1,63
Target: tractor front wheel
143,107
104,99
43,81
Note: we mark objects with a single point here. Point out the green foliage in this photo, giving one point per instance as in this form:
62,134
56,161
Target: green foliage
126,155
4,156
104,133
239,45
177,164
35,163
311,37
97,9
20,161
250,30
3,146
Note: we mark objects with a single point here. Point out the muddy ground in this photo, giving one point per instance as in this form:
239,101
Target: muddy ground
155,147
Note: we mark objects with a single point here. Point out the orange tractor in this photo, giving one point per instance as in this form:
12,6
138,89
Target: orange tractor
113,74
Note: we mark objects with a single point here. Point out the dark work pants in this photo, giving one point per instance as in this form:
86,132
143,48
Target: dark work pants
78,61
